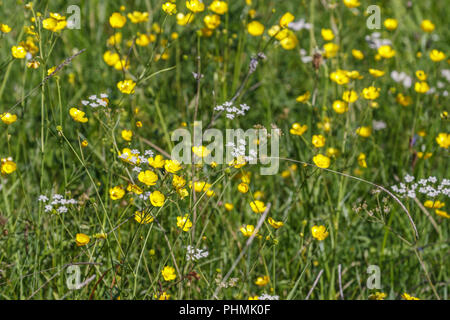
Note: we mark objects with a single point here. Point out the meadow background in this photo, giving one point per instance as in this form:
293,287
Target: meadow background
124,259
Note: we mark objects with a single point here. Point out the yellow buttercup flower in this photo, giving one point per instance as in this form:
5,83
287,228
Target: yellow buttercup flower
436,55
298,129
7,166
184,223
138,17
157,199
427,26
321,161
8,118
178,182
319,232
126,86
148,177
424,156
253,298
55,22
156,162
117,20
172,166
318,140
127,156
84,143
421,87
403,100
409,297
82,239
168,273
127,135
111,58
386,51
255,28
228,206
352,3
169,8
391,24
5,28
443,140
274,223
18,52
290,41
327,34
115,39
134,188
376,73
195,5
212,21
78,115
116,193
243,187
371,93
357,54
219,7
364,132
332,152
286,19
434,204
331,49
340,106
442,214
143,217
183,19
247,230
349,96
163,296
258,206
262,281
200,151
341,77
378,296
304,97
421,75
362,160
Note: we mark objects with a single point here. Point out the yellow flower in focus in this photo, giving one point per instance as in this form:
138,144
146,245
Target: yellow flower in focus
55,22
362,160
327,34
304,97
219,7
298,129
443,140
18,52
168,273
427,26
116,193
319,232
7,166
421,87
286,19
409,297
126,86
258,206
255,28
134,188
172,166
163,296
386,51
377,296
341,77
262,281
421,75
111,58
195,5
352,3
434,204
340,106
178,182
8,118
289,42
247,230
371,93
242,187
148,177
321,161
212,21
364,132
127,135
391,24
184,223
275,224
157,199
318,140
357,54
436,55
82,239
169,8
156,162
138,17
442,214
78,115
349,96
143,217
117,20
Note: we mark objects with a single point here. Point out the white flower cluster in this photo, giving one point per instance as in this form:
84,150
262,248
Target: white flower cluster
428,186
95,101
374,41
266,296
238,151
299,25
58,203
135,156
231,110
403,78
193,254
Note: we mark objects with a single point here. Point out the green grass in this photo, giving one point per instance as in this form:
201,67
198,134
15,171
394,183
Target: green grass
37,247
